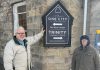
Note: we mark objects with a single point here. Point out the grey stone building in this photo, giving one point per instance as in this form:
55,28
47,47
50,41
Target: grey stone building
28,13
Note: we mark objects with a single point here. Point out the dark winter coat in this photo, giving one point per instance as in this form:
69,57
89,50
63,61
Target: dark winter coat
85,58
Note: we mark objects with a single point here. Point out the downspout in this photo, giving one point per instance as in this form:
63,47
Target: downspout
85,17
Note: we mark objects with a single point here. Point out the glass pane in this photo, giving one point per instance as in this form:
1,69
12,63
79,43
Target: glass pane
21,8
97,42
22,20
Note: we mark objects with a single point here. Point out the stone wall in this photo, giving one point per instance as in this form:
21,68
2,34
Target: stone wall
94,19
43,58
54,58
5,24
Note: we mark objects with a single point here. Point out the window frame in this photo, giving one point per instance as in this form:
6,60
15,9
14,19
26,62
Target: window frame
15,15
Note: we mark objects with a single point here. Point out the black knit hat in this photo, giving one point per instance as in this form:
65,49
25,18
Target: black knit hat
84,37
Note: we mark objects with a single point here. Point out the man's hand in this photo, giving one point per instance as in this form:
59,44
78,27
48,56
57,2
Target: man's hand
43,30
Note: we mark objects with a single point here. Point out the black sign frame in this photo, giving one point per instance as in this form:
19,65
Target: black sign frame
45,23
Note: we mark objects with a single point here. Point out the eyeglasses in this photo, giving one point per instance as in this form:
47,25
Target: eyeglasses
21,33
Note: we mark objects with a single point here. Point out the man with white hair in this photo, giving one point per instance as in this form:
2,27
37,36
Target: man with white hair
17,50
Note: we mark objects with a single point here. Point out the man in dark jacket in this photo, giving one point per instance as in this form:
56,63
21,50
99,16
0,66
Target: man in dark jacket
85,57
